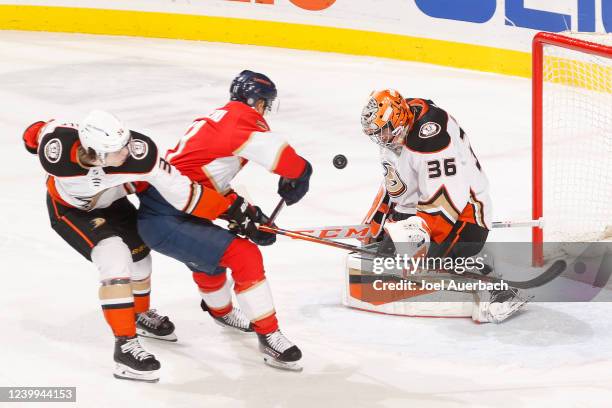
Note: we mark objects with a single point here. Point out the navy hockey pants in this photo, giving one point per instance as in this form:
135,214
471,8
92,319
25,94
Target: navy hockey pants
196,242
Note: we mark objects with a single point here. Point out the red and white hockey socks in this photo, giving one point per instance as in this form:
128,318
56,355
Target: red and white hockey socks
256,302
251,287
216,292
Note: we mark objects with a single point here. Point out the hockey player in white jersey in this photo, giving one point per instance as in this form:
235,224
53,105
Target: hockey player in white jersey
91,168
435,194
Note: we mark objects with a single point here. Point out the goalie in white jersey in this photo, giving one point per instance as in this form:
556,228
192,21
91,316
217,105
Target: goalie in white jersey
435,194
91,168
430,172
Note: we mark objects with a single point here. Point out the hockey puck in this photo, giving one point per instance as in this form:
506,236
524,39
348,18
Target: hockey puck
340,161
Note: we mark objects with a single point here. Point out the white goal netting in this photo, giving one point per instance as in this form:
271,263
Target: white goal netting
577,142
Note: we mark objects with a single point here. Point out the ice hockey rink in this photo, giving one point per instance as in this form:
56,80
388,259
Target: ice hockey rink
552,354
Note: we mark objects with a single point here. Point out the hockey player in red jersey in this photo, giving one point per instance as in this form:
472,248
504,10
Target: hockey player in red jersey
91,168
435,194
214,149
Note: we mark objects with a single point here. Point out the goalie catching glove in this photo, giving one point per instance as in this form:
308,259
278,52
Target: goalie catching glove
245,219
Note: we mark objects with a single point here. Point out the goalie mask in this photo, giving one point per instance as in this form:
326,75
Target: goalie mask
386,118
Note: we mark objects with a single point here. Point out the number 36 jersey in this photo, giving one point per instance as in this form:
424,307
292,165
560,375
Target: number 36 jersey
436,173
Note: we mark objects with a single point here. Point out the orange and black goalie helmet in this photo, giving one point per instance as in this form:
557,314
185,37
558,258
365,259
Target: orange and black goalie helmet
386,118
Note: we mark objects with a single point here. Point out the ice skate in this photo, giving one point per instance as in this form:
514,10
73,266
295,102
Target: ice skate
233,320
151,324
279,352
132,362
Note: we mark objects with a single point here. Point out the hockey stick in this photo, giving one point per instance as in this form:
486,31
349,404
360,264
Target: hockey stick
310,238
277,210
363,230
552,272
518,224
548,275
269,227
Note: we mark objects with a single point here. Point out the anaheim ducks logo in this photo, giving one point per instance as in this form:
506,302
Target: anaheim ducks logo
394,184
97,222
429,129
138,149
53,150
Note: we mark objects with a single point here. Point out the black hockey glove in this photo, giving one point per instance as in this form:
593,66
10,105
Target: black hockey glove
244,219
293,190
257,218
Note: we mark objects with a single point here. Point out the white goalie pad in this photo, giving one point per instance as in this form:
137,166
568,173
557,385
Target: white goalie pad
363,290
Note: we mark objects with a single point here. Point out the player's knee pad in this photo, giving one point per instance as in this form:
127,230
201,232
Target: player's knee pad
141,270
113,259
246,262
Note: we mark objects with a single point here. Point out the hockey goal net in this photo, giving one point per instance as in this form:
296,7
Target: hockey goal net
572,138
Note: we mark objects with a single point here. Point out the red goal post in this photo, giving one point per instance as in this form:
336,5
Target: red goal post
572,73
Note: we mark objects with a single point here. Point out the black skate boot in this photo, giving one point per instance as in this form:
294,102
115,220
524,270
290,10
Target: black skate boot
150,324
279,352
132,362
233,320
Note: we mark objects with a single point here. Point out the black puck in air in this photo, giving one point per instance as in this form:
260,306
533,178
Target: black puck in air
340,161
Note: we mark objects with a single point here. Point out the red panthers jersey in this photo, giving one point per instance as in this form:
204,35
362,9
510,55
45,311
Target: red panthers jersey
216,147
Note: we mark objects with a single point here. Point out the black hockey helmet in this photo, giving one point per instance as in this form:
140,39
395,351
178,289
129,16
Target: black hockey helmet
249,87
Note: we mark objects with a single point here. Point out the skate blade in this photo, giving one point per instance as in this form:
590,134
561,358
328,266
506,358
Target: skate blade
292,366
169,337
234,329
123,372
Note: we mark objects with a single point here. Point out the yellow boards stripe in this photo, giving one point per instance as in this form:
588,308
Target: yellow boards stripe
580,74
267,33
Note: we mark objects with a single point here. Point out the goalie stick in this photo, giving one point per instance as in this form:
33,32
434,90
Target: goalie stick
552,272
543,278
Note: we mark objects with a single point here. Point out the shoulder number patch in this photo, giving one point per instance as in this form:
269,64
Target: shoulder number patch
138,149
429,129
53,150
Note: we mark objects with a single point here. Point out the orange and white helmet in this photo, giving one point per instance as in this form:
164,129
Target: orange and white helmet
386,118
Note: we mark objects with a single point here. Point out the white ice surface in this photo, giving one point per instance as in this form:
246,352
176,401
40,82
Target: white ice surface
54,333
